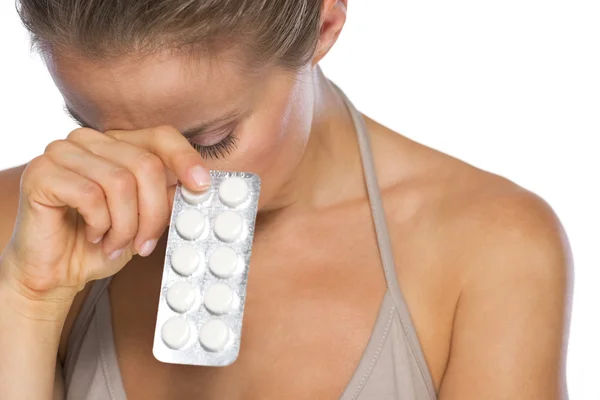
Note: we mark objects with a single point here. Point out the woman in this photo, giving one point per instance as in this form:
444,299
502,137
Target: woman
381,269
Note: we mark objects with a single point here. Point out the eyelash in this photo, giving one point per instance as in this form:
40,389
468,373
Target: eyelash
217,150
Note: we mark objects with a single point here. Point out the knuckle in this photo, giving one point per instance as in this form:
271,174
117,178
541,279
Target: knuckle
37,163
93,197
80,134
55,147
123,181
92,193
34,167
149,164
165,130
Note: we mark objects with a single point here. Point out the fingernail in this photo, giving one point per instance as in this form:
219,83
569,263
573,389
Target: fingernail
201,177
98,240
147,248
116,254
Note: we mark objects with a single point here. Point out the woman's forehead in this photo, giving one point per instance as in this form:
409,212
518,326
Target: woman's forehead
139,91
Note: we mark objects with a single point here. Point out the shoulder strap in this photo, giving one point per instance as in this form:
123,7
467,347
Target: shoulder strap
383,240
374,193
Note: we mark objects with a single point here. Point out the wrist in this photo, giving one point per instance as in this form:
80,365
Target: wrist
49,307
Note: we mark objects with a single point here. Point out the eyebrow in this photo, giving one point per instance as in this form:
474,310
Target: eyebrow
199,129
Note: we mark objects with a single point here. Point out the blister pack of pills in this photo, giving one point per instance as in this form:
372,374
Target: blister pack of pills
203,289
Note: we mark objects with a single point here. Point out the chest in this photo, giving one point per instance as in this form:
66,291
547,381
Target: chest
312,301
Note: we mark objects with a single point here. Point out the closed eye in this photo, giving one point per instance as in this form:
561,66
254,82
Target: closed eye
218,150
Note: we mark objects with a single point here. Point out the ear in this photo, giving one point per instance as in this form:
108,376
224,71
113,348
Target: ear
333,18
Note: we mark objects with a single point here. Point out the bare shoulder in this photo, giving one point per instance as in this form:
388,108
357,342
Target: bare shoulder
479,213
512,230
496,264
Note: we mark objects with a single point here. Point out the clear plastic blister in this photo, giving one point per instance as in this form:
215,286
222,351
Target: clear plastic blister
205,273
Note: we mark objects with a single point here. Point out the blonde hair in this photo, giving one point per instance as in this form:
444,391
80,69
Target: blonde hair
280,31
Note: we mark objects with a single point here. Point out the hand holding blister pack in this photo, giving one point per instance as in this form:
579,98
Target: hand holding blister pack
205,273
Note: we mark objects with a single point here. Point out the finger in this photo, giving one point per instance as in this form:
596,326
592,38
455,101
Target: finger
49,185
175,152
149,171
118,184
171,197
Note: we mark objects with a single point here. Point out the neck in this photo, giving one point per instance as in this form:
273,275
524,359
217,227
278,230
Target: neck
330,171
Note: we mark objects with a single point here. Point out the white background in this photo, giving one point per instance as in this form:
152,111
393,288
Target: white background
510,86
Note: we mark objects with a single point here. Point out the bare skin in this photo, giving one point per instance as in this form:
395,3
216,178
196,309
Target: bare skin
483,264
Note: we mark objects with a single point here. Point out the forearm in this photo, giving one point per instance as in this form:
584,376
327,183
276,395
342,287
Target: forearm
29,336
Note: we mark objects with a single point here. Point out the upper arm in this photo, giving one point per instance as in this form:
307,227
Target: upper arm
510,328
9,202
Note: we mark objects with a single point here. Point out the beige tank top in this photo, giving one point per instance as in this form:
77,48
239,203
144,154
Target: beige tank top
392,366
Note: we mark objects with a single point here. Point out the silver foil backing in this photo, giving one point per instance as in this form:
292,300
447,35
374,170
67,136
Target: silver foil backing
193,353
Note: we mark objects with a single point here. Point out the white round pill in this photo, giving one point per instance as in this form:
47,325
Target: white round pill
214,335
190,224
219,298
176,332
186,260
228,226
181,296
194,197
233,191
223,262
